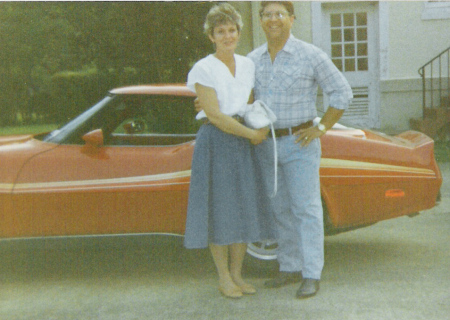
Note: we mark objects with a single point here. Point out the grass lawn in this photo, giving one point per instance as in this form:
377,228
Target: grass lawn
31,129
442,151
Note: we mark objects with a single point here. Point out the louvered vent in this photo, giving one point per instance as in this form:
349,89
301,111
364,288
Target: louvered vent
359,107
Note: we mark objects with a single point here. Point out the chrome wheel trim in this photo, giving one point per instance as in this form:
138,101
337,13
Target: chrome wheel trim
264,250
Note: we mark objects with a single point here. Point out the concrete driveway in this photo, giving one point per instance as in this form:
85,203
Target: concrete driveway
397,269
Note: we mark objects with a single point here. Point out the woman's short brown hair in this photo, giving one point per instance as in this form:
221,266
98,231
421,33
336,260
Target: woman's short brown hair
222,14
287,4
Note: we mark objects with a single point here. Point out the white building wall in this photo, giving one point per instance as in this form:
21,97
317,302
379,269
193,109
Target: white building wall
412,40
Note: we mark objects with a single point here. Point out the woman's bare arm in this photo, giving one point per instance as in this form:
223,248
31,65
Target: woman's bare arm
207,99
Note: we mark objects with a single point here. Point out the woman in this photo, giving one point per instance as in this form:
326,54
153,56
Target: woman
226,207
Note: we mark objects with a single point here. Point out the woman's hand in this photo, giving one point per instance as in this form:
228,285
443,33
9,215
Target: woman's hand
198,107
260,135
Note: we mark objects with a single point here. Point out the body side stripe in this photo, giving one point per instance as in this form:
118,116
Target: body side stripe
161,179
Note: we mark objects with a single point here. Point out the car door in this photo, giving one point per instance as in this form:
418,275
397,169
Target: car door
133,184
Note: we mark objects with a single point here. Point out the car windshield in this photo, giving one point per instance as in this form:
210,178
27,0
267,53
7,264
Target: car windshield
136,114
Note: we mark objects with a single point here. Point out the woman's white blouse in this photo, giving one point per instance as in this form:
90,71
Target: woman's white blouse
232,92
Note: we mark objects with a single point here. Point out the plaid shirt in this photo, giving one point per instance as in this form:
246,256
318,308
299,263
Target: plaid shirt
289,85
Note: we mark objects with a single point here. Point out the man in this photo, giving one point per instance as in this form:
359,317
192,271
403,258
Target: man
288,72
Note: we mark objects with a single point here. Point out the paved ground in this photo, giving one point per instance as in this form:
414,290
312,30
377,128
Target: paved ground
397,269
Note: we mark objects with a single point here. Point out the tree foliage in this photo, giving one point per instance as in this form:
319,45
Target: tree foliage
109,43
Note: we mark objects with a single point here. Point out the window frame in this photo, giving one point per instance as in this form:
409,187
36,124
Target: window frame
436,10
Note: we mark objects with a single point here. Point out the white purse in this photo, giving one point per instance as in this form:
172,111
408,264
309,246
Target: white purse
257,116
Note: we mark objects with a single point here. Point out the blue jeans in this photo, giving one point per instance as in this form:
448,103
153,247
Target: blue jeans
297,206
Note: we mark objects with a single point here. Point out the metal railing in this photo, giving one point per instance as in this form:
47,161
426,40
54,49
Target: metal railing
436,81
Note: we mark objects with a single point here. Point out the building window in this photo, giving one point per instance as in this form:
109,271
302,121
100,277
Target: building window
436,10
349,42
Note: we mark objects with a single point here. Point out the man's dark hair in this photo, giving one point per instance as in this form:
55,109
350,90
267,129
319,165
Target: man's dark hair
287,4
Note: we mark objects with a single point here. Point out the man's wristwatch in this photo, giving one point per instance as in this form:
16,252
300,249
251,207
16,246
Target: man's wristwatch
322,127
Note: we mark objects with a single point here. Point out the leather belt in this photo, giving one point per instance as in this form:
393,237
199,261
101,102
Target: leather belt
289,131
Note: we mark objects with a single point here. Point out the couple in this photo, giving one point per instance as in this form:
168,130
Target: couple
227,206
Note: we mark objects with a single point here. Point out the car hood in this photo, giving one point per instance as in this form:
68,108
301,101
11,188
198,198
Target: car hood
5,140
14,153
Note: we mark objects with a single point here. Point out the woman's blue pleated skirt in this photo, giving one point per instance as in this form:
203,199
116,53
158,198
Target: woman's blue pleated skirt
227,200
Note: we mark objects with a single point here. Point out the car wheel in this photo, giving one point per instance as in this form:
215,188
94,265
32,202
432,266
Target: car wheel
264,250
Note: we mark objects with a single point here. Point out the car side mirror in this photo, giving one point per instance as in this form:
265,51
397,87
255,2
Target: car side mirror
94,138
94,143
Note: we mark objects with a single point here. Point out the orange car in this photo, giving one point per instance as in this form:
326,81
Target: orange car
123,167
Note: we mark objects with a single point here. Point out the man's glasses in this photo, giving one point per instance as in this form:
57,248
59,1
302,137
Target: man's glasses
277,15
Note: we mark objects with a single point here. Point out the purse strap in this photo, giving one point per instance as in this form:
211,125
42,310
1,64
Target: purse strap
275,162
275,150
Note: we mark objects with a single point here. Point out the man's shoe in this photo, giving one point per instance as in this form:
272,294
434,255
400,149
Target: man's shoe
308,288
283,278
